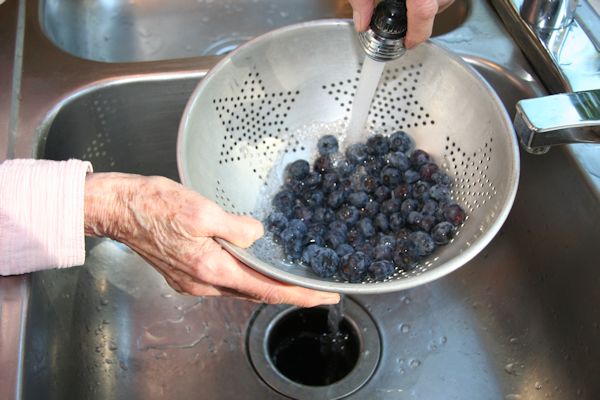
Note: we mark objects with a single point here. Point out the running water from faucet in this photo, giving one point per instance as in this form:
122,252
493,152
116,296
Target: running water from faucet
367,85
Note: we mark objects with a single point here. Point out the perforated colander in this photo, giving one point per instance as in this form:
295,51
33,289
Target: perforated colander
267,103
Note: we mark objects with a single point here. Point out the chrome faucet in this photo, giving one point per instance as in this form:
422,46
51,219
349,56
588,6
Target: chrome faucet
560,38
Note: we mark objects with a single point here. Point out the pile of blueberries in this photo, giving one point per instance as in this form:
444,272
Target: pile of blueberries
378,207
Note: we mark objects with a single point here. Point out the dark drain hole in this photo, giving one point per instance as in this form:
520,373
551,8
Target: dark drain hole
302,349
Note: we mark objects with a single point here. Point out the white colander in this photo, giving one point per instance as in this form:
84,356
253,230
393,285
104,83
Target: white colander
266,103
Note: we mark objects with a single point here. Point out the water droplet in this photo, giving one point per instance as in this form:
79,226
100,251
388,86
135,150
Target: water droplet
414,363
406,299
166,295
113,347
400,361
404,328
514,340
443,340
510,368
105,322
538,386
432,346
161,355
401,371
104,302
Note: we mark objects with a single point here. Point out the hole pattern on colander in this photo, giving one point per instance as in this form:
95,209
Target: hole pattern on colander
394,104
251,120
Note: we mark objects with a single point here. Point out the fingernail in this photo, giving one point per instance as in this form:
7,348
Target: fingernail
330,298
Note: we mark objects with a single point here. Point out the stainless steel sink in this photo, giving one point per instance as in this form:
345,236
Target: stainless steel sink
147,30
520,321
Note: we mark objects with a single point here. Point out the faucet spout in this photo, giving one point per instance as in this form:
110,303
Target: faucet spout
559,119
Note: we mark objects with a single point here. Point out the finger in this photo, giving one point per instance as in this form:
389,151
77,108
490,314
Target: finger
235,275
443,5
420,15
362,12
237,229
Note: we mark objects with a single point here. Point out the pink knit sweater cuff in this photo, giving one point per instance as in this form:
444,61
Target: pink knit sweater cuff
41,214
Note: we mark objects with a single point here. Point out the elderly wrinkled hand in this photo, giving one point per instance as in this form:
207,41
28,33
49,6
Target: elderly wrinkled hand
173,228
420,16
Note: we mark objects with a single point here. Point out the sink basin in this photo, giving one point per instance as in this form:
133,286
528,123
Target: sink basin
150,30
520,321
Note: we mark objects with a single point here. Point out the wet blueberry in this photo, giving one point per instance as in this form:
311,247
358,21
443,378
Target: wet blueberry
345,168
382,193
302,213
355,238
327,144
383,252
427,171
309,252
295,186
398,160
420,190
400,141
348,214
388,240
313,180
403,233
298,169
411,176
334,238
424,244
323,165
293,249
339,226
409,205
418,158
390,176
364,247
429,207
413,219
324,262
391,206
396,221
405,255
402,191
357,153
427,223
442,233
381,222
329,182
323,215
371,209
315,234
441,178
371,183
374,164
314,198
344,249
454,214
335,199
276,223
366,228
358,199
378,145
353,267
284,201
440,193
381,270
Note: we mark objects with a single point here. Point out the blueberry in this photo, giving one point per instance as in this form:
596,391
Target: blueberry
302,213
336,199
403,234
390,206
356,153
409,205
440,193
371,209
454,214
298,169
348,214
315,235
442,233
378,145
313,180
382,193
358,199
439,213
276,223
323,165
334,238
418,158
398,160
427,170
405,255
284,201
424,244
371,183
411,176
441,178
358,177
345,168
381,270
339,226
292,239
374,164
314,198
402,191
381,222
329,182
355,238
396,221
293,249
297,226
324,262
344,249
413,219
364,247
400,141
420,190
366,228
323,215
390,176
353,267
429,207
383,252
295,186
327,144
387,240
427,223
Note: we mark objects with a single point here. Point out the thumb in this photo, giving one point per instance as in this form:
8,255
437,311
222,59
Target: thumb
240,230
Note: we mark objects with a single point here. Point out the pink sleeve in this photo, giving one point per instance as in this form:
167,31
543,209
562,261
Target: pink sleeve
41,214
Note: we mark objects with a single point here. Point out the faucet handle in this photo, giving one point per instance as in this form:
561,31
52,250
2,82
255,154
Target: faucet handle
558,119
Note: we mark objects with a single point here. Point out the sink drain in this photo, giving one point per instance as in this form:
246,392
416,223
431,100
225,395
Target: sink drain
292,352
